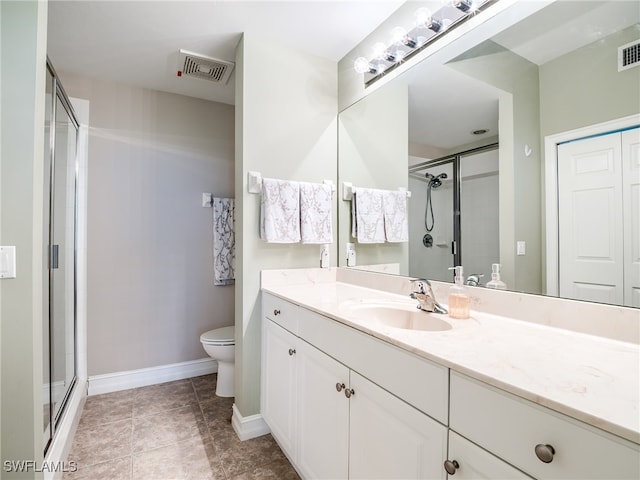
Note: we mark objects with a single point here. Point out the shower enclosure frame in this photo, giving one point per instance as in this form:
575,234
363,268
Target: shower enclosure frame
455,160
58,94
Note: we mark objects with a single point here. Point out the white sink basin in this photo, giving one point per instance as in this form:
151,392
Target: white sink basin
397,315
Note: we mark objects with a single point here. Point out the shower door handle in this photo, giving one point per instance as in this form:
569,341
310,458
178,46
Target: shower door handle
54,257
454,250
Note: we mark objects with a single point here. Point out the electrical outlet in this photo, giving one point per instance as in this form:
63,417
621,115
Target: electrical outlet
521,247
351,255
207,200
324,256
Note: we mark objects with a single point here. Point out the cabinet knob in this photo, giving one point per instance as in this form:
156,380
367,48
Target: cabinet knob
348,392
276,311
292,351
339,386
451,466
545,453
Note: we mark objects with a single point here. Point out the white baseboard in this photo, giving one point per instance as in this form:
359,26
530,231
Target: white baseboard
113,382
248,427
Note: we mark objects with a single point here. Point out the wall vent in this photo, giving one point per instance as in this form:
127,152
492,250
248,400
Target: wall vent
199,66
629,55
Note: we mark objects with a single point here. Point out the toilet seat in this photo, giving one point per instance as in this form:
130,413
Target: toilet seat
224,336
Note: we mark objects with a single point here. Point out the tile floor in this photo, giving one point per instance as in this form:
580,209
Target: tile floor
175,430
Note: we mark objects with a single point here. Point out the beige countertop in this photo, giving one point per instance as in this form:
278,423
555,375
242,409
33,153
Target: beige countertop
590,378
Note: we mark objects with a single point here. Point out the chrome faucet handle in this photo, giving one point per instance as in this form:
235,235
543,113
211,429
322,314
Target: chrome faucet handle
419,284
473,280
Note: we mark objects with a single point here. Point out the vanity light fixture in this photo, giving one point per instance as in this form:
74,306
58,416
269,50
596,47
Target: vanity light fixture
427,27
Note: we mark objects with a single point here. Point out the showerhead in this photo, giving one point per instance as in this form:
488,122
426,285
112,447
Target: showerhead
435,180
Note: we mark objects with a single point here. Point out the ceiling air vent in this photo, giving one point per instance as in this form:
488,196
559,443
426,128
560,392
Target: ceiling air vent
629,55
207,68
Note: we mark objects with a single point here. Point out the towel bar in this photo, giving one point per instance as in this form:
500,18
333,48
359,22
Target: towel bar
254,182
348,189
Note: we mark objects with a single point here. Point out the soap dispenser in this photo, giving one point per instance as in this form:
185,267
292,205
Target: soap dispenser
495,282
458,297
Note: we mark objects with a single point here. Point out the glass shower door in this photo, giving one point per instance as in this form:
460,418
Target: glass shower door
59,286
62,267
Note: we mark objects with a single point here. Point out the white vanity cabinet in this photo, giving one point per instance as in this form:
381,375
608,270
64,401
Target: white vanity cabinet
391,439
323,415
279,383
333,422
541,442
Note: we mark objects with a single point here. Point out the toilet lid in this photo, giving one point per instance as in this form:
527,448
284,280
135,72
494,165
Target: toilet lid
224,336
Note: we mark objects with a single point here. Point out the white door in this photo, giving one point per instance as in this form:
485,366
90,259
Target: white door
590,218
279,384
390,439
631,201
323,415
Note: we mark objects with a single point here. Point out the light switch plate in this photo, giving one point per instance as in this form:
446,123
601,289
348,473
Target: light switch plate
521,247
7,262
207,200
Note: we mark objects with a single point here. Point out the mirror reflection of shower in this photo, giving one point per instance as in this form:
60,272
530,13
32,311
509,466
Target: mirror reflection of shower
453,213
435,181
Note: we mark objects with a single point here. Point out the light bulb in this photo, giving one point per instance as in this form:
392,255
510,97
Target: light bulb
380,68
362,65
397,35
423,17
379,50
446,23
400,55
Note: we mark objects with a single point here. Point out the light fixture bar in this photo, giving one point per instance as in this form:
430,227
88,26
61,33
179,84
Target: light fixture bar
428,27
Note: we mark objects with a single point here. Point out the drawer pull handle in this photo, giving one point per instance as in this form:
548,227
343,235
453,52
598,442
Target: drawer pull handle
349,392
276,312
451,466
545,453
292,351
339,386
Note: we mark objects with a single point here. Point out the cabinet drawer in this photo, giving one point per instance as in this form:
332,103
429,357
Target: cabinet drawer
474,463
281,312
417,381
511,427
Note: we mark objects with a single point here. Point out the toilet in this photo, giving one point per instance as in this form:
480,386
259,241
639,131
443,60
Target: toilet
220,344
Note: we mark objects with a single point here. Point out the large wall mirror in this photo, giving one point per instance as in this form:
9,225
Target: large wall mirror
520,149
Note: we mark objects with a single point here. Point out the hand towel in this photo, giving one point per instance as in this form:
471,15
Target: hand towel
396,223
224,244
280,211
315,213
369,215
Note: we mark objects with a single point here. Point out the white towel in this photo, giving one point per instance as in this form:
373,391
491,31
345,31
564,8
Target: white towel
369,215
280,211
315,213
396,224
224,243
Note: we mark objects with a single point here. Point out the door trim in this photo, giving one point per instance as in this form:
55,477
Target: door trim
551,188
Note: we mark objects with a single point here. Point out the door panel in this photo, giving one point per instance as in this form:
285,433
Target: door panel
590,219
391,439
631,201
323,415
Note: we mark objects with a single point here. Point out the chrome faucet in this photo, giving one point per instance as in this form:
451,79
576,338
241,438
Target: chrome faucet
424,294
473,280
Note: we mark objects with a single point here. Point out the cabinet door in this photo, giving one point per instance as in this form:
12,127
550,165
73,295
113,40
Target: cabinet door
279,367
323,415
474,463
391,439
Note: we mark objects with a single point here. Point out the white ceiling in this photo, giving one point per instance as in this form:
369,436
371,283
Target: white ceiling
137,42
